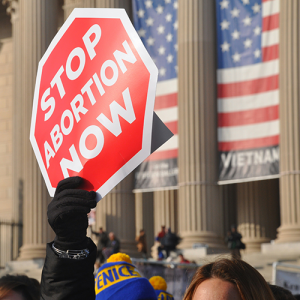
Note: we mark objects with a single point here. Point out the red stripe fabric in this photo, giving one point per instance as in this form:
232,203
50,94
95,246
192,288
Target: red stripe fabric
249,144
165,101
160,155
270,53
253,116
270,22
173,126
248,87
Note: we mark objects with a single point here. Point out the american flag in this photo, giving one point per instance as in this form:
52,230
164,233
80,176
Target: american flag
156,24
248,74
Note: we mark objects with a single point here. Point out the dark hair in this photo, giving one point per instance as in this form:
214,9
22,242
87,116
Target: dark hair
248,281
281,293
29,288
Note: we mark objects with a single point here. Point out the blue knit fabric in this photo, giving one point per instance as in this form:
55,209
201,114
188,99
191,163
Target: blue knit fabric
163,295
121,280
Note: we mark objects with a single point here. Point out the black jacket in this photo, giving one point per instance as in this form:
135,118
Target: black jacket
70,279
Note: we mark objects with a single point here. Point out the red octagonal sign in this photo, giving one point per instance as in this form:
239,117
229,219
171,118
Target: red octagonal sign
93,103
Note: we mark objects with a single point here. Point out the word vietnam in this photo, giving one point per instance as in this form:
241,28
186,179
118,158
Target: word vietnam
77,107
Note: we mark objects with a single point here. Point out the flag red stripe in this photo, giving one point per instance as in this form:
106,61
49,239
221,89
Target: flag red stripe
252,116
160,155
270,22
249,144
250,87
165,101
173,126
270,53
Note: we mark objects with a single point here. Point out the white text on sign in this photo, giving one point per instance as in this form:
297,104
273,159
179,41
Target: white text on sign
77,107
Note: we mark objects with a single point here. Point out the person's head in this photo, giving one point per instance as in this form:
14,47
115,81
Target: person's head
111,236
233,228
100,229
19,287
227,279
281,293
163,228
142,232
180,256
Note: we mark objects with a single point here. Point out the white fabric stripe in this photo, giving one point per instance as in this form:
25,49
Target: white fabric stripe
167,87
270,8
168,114
246,132
234,104
270,38
232,75
171,144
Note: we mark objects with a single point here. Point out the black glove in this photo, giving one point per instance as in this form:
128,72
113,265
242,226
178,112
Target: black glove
67,214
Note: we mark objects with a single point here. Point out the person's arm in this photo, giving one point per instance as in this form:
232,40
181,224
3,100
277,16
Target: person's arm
95,232
67,277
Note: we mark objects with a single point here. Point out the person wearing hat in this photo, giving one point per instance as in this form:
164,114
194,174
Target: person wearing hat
119,279
68,271
160,286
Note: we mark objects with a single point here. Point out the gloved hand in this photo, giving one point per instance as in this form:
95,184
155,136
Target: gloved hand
67,214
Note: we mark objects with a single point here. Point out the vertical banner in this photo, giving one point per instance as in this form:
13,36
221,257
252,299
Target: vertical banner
248,89
156,24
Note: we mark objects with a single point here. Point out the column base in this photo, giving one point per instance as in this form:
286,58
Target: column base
288,234
129,247
254,244
210,239
32,251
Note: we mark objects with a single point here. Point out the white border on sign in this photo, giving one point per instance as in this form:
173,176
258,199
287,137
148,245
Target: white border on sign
107,13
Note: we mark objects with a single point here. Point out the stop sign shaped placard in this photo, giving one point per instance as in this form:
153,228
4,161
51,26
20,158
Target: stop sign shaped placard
94,99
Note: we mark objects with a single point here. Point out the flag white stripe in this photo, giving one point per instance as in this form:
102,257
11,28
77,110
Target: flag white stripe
234,104
171,144
168,114
270,8
233,75
246,132
167,87
270,38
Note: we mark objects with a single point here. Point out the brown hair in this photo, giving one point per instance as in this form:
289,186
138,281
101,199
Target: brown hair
29,288
249,282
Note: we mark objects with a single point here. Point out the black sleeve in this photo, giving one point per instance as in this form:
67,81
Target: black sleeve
64,278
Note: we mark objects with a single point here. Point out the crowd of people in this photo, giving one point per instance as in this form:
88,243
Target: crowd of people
69,273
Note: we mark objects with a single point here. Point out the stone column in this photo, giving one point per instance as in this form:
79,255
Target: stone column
37,28
289,83
126,4
13,11
165,210
144,217
229,213
200,205
119,209
69,5
257,212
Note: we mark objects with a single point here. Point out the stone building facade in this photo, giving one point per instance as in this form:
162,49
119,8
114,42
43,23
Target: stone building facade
200,211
